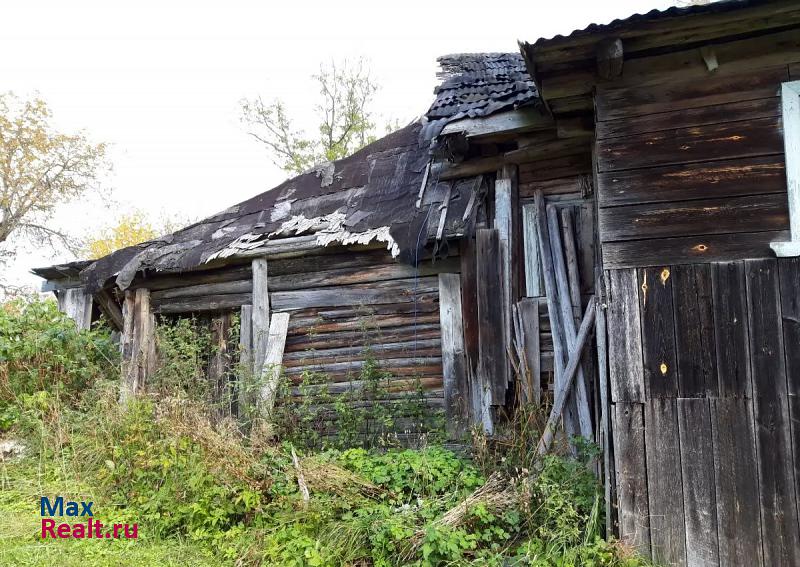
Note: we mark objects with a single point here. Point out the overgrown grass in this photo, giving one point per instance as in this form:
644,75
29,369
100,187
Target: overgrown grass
203,493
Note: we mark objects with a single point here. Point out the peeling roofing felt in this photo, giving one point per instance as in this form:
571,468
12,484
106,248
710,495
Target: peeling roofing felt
367,197
478,84
672,12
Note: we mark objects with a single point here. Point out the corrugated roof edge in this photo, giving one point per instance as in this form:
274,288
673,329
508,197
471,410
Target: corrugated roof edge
672,12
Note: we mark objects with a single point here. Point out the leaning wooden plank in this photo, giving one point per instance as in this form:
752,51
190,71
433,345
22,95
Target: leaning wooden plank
624,343
453,361
245,370
777,482
736,482
556,326
569,373
261,322
699,482
271,367
631,471
664,484
571,255
567,320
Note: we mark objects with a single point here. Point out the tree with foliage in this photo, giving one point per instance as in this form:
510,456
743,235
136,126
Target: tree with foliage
346,121
41,168
131,228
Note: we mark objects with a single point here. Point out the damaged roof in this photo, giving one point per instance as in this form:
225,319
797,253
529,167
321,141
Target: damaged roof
653,15
368,196
476,85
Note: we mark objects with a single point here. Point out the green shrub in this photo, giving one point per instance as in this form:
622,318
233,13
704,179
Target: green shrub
41,349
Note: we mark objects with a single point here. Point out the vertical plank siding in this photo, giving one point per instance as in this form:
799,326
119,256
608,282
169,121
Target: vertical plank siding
631,468
658,333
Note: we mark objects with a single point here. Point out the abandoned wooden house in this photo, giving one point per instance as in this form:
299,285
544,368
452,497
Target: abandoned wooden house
640,178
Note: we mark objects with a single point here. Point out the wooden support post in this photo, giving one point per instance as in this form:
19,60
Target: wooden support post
260,316
556,326
569,373
77,305
567,320
245,360
271,368
138,343
453,361
571,253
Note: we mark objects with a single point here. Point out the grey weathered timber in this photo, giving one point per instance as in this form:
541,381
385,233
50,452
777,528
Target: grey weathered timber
790,99
392,291
77,305
271,368
631,472
533,266
569,373
625,344
699,482
221,288
452,344
492,367
571,256
601,338
383,350
260,302
777,483
408,366
567,320
219,364
504,223
515,121
245,369
203,303
664,482
556,326
140,347
738,514
528,309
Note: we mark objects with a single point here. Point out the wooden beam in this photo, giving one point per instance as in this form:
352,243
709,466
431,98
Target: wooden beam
492,357
521,120
271,367
77,305
504,197
260,302
452,349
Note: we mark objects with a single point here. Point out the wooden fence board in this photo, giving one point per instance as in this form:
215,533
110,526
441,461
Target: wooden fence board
737,482
699,487
694,331
452,352
664,484
260,322
624,342
629,460
492,365
731,331
777,483
658,333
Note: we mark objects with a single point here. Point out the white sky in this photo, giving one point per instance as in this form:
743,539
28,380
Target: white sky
161,81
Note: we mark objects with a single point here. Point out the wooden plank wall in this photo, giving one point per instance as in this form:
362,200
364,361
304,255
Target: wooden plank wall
346,309
712,414
689,170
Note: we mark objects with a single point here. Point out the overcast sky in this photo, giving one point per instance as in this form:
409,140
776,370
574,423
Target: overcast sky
160,81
